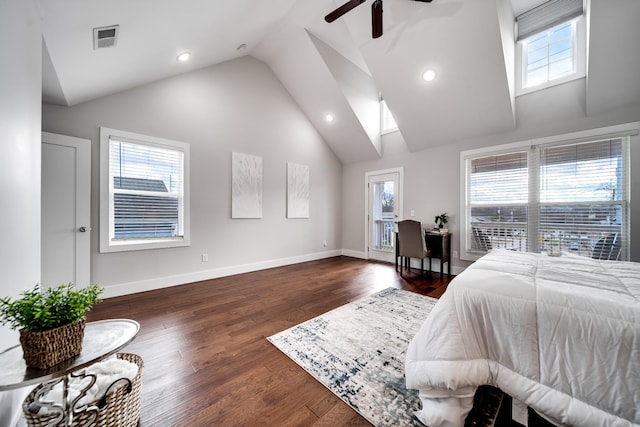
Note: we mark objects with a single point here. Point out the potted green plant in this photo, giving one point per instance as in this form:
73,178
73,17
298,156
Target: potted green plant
441,221
50,322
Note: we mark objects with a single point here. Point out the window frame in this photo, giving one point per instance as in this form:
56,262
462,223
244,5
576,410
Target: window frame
630,130
579,45
107,243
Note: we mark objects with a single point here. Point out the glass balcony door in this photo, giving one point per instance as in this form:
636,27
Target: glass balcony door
383,191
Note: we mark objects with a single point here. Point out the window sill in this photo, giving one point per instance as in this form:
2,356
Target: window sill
553,83
138,245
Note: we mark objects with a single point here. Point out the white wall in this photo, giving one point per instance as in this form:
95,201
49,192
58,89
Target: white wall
20,76
235,106
432,177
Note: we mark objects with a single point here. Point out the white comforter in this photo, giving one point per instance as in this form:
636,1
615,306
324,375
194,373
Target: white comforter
561,334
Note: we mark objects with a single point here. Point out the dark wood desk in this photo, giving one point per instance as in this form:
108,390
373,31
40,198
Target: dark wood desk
440,246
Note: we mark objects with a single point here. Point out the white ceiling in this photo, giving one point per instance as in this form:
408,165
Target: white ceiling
152,34
325,67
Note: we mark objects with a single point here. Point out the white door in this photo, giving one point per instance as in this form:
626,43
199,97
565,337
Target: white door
383,210
66,210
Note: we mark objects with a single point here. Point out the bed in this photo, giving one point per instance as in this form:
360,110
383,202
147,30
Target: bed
560,334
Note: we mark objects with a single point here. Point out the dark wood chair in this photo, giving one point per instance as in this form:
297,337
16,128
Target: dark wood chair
412,244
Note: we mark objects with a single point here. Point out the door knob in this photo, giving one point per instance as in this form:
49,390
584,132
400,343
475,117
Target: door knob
82,229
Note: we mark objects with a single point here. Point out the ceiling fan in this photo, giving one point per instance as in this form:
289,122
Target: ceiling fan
376,14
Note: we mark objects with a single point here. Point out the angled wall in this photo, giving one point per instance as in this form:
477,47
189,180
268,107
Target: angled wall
316,77
358,88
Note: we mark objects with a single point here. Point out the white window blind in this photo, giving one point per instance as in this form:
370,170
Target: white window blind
583,203
146,192
497,202
569,197
546,16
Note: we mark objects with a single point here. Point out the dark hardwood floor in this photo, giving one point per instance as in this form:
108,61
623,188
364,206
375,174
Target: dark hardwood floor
206,358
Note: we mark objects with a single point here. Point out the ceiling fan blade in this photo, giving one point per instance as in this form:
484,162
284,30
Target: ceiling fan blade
376,19
351,4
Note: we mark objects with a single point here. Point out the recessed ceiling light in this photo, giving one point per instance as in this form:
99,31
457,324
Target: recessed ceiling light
329,118
184,56
429,75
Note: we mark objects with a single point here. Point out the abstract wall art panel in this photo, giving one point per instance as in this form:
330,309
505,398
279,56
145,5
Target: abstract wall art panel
246,186
297,191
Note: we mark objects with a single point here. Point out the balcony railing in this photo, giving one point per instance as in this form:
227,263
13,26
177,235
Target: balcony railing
553,237
383,235
499,235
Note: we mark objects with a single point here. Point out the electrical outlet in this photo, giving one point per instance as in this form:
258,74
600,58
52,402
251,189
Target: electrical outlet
413,213
324,243
455,254
205,257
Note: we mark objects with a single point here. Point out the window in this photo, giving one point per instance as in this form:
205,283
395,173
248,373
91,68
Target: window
554,196
549,55
551,45
144,192
498,199
583,199
387,122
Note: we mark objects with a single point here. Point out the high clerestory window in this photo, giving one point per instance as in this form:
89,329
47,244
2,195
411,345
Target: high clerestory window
387,122
551,45
548,196
144,192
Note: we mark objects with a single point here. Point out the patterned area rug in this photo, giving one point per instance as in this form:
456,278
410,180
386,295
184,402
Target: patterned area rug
358,350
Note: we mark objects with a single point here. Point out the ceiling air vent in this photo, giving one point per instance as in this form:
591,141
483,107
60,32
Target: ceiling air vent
105,36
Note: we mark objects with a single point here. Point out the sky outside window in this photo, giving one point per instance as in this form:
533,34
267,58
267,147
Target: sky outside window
550,55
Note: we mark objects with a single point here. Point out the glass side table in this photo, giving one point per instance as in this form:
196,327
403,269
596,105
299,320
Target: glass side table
101,339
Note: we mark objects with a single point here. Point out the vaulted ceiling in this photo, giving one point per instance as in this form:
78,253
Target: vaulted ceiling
338,68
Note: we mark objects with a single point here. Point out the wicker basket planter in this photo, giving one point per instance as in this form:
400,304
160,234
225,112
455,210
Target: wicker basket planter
121,408
48,348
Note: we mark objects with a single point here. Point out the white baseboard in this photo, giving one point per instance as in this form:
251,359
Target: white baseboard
197,276
435,266
354,254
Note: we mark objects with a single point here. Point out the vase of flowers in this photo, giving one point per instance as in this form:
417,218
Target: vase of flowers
50,322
